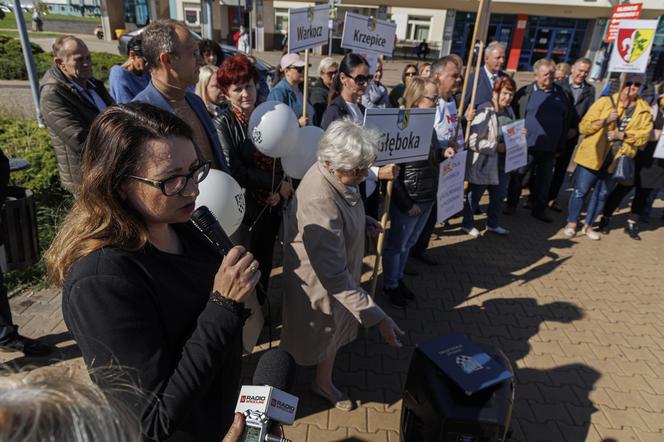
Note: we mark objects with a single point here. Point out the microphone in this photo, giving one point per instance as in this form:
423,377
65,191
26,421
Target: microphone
266,401
206,223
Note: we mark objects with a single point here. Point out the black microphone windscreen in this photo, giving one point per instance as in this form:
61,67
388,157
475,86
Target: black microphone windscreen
275,368
205,221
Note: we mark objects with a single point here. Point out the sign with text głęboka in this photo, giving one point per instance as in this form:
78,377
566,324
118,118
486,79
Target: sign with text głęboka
367,34
406,133
308,27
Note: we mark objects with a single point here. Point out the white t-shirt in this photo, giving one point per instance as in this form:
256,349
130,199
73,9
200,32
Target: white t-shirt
445,123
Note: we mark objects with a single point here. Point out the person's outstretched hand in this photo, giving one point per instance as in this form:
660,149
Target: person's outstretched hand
389,330
235,432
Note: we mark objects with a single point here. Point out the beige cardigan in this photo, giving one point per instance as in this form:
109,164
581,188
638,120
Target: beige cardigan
324,230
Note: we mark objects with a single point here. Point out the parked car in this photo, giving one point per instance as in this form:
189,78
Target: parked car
265,69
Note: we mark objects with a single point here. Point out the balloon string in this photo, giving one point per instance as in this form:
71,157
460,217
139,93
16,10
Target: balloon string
260,214
274,167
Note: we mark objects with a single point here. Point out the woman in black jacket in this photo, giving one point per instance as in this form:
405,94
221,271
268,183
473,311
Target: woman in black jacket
412,200
261,176
143,290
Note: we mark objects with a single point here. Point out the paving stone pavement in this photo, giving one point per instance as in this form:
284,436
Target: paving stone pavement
581,321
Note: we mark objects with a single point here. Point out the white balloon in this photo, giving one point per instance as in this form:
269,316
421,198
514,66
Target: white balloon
224,197
273,129
298,162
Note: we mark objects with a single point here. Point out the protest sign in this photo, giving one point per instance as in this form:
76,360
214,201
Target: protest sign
516,147
633,45
308,27
659,149
450,186
406,133
368,34
621,12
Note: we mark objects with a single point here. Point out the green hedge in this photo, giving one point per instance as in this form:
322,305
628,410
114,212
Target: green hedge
12,66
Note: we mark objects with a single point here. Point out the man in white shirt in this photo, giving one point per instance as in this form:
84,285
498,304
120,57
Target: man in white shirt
494,62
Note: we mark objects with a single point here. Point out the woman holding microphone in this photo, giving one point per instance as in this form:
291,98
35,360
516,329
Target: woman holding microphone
143,290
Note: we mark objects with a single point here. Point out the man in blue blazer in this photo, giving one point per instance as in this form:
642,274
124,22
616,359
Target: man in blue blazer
173,57
494,61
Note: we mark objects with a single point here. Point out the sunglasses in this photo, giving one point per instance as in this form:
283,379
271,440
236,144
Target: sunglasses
171,186
330,74
632,83
360,80
410,74
434,99
299,69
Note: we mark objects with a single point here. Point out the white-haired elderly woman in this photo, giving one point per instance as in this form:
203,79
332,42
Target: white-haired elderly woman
324,231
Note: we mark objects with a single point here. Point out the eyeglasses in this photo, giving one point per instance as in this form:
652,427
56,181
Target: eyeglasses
171,186
299,69
433,99
360,80
632,83
410,74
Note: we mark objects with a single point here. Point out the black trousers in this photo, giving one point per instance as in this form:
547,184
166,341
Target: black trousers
8,330
639,202
540,166
560,170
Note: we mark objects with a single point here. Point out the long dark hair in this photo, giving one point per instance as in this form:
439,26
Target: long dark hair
348,63
100,216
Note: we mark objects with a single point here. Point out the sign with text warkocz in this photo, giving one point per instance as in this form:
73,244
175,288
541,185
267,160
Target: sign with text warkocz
307,27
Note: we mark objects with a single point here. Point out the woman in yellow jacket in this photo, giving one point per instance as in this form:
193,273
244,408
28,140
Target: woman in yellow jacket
613,126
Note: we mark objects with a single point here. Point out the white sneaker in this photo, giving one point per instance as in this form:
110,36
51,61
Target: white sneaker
498,230
472,232
591,234
569,232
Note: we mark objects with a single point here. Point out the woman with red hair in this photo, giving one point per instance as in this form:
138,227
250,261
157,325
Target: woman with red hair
486,169
261,176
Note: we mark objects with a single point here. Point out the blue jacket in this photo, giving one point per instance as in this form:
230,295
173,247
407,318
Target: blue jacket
484,89
152,96
124,85
284,93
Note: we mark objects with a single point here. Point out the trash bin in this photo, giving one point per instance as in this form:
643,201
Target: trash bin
119,32
19,229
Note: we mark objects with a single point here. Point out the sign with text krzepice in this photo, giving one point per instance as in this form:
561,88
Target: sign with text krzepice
621,12
308,27
406,133
364,33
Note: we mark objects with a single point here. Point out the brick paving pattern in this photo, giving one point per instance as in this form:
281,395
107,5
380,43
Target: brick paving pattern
581,321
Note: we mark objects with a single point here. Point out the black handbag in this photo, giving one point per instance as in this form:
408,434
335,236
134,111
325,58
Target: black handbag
625,170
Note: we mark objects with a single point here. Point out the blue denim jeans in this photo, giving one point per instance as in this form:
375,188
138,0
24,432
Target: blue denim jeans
403,234
496,195
584,181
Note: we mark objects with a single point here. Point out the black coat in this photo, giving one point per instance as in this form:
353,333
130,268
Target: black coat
148,313
581,106
651,169
241,155
418,180
68,116
318,98
335,111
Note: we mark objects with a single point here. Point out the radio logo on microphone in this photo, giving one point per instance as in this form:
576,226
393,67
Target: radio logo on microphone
249,399
282,406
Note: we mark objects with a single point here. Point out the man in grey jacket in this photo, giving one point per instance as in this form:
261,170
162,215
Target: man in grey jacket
70,100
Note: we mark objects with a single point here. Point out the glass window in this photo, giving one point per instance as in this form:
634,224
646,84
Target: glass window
281,20
418,27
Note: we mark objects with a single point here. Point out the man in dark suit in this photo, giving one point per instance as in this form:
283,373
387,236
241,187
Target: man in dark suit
494,61
174,59
581,96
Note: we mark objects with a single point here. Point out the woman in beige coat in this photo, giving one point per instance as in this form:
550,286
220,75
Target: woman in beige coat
324,231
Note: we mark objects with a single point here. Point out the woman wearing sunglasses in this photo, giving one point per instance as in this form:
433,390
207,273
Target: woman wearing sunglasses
143,290
409,72
616,125
289,89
